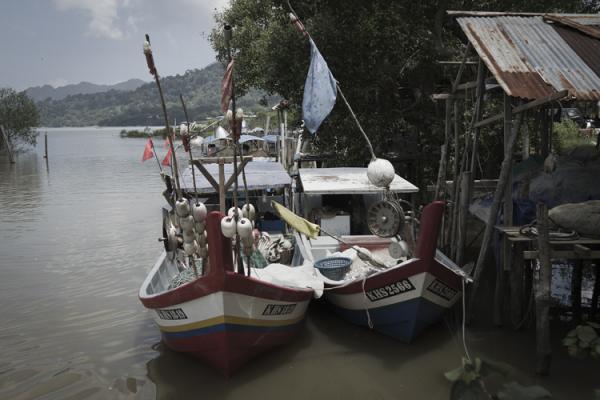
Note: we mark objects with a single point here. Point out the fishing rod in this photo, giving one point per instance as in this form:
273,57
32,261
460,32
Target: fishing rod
154,72
187,140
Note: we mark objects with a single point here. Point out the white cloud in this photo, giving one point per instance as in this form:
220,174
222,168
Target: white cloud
103,14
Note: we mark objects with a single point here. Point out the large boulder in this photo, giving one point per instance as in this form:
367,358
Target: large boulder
583,218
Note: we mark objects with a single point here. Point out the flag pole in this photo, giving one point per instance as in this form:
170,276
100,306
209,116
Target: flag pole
155,156
295,20
154,72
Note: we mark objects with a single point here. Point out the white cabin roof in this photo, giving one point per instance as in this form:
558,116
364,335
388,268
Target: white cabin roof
260,175
346,181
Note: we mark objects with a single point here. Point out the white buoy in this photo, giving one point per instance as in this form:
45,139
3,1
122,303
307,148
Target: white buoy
190,248
228,227
229,115
199,227
201,239
147,48
182,207
199,212
239,114
231,212
188,236
381,172
248,211
187,223
244,228
286,244
203,252
183,129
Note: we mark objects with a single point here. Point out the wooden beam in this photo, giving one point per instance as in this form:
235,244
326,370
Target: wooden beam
524,107
215,160
207,175
461,68
505,170
233,177
562,254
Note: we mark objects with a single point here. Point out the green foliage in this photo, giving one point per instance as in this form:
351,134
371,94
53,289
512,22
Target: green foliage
383,53
19,116
200,89
566,136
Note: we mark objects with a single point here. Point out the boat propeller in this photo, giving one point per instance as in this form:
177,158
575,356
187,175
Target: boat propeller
385,218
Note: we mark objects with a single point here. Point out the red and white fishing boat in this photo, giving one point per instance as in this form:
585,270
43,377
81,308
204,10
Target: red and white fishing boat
224,318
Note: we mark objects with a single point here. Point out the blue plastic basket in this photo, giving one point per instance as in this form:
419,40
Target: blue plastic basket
333,267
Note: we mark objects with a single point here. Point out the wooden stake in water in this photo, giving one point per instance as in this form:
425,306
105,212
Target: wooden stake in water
46,146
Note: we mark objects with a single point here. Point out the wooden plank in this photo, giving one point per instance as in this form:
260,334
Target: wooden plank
542,294
562,254
524,107
215,160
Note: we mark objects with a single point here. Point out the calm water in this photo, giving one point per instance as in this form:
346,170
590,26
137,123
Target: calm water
77,236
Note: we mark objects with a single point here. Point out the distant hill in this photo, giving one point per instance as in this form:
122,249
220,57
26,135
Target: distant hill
39,93
200,88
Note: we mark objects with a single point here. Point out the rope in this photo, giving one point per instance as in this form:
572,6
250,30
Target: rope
369,321
530,230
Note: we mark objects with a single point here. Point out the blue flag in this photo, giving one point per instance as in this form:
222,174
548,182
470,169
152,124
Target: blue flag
319,91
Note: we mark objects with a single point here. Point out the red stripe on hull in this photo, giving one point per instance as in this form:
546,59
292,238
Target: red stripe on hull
220,277
228,351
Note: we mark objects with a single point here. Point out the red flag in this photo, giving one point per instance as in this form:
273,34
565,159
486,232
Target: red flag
226,87
148,150
167,160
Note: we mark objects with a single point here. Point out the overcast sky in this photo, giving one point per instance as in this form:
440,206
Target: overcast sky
68,41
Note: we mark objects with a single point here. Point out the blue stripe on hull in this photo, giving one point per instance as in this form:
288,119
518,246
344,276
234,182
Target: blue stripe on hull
402,321
229,328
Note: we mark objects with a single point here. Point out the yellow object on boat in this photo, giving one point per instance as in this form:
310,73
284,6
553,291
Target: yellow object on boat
300,224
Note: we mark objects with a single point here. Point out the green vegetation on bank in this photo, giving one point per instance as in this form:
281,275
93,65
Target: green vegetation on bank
19,118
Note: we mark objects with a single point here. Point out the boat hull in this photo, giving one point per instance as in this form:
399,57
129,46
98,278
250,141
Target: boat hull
225,318
402,301
399,302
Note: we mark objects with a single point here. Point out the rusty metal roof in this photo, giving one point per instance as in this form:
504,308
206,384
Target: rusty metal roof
534,55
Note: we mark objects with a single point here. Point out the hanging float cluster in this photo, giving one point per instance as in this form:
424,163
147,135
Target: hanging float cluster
192,222
243,228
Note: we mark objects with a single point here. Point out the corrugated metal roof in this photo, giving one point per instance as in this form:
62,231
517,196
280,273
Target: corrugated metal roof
530,58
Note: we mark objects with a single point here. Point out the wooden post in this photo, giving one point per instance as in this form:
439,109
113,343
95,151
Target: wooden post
46,145
544,136
222,192
479,92
507,216
526,142
576,276
463,211
487,235
542,294
11,158
516,287
596,291
441,178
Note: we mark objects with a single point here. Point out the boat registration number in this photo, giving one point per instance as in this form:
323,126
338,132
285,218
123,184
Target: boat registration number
390,290
171,314
441,289
279,309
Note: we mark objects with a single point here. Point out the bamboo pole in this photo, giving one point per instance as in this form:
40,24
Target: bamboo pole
463,211
222,192
487,235
542,294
